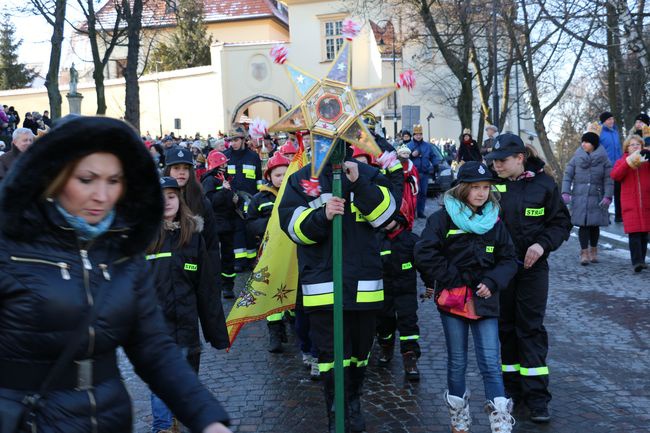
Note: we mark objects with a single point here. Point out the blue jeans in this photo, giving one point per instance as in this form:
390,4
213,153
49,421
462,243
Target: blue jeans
422,193
486,344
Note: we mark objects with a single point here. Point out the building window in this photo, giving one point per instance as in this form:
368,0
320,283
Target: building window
333,38
120,66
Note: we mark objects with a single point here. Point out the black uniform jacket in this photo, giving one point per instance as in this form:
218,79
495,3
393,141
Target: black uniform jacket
245,169
187,291
220,199
399,264
369,205
49,278
259,211
533,211
446,257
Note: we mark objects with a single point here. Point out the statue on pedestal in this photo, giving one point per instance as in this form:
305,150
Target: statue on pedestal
74,79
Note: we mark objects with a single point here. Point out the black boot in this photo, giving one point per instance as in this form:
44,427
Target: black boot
355,386
283,332
386,354
410,366
275,336
228,293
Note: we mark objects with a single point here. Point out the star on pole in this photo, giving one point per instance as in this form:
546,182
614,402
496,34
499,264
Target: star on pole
331,107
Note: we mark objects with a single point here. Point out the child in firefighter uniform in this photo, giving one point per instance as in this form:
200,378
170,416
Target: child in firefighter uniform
367,205
400,280
245,171
259,212
539,223
218,191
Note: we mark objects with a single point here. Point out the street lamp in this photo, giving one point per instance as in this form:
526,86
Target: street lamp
495,101
159,111
429,117
394,60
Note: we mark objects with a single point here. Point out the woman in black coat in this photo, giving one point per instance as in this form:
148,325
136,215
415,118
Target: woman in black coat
77,212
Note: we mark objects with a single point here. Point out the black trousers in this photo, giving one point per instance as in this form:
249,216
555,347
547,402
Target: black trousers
227,260
244,246
618,216
638,243
588,236
399,314
358,335
524,341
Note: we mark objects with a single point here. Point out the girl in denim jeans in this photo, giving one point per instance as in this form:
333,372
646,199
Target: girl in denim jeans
466,254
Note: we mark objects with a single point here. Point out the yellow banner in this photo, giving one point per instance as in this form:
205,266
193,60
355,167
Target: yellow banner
271,287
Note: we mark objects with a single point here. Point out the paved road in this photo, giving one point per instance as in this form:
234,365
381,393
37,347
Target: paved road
599,326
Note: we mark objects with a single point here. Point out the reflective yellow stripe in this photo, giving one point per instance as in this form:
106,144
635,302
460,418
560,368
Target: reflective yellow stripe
232,169
489,249
318,300
358,216
455,232
191,267
395,167
501,188
263,205
409,337
274,317
534,212
406,266
251,254
246,208
228,275
376,296
296,227
157,256
359,362
324,367
218,188
510,368
382,207
241,255
385,252
533,371
386,338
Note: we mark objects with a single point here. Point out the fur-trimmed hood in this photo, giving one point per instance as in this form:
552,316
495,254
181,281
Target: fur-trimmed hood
23,207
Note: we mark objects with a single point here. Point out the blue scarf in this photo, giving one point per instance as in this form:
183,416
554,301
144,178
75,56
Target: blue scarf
468,221
85,231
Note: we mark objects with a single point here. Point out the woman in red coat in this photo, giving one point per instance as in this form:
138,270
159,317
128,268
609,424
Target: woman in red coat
633,172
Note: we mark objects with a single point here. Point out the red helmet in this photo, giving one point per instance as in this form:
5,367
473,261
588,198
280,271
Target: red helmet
288,148
277,160
360,152
215,159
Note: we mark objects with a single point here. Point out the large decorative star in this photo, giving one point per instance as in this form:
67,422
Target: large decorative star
331,107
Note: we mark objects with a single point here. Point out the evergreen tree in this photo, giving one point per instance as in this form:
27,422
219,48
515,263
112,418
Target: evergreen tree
13,75
189,46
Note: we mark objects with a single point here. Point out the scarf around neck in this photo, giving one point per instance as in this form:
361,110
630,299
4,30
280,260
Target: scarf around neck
84,230
470,222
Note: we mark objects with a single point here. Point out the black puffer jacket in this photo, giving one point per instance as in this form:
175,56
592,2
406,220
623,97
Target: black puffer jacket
447,257
259,212
187,291
48,278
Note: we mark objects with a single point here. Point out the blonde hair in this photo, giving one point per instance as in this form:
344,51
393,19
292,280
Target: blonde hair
461,191
629,141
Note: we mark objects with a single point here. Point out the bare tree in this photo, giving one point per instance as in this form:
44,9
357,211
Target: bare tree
132,10
54,13
109,38
542,51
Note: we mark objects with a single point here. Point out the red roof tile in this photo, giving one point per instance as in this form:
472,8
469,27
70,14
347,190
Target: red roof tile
158,13
385,34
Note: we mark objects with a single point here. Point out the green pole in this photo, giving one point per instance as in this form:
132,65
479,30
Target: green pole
337,157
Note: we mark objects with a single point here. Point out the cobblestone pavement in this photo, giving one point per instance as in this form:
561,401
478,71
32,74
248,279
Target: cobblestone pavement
599,326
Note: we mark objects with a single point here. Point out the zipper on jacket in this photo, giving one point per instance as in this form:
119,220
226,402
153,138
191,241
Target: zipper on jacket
84,259
87,267
104,269
65,272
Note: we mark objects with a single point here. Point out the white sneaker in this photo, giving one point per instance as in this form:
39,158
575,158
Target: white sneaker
499,412
461,419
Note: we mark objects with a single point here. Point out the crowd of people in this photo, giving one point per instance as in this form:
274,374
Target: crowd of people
94,221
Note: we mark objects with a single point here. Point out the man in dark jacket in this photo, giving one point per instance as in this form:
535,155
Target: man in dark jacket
538,222
611,141
367,205
22,138
244,174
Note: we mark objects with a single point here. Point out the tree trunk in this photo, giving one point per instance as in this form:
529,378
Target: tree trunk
132,96
465,103
52,78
